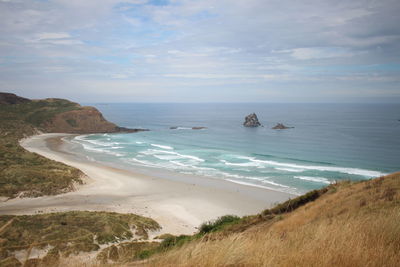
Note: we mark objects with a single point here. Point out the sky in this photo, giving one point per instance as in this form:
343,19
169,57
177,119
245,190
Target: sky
201,51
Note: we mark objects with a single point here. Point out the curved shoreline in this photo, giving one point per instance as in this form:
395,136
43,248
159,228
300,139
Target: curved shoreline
179,207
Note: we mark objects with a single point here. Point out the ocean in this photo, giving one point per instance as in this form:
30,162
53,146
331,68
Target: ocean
329,142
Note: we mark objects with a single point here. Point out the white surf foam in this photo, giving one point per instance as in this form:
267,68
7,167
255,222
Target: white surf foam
244,164
355,171
162,146
154,152
166,157
273,183
314,179
289,169
285,190
102,150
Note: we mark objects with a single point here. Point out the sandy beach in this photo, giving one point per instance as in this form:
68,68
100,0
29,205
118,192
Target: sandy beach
178,205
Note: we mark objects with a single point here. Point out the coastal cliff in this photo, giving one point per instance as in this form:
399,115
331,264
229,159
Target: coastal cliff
9,98
27,174
53,115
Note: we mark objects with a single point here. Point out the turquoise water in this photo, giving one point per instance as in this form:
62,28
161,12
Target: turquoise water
329,142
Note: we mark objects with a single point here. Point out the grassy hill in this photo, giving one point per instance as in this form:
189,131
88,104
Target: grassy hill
347,224
27,174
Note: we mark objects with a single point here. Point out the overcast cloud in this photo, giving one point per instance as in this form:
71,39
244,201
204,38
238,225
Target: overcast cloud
201,51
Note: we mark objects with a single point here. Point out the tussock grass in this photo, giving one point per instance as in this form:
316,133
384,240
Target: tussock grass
69,232
354,224
27,174
125,252
170,241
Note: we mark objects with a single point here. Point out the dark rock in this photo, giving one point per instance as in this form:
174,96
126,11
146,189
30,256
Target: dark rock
11,99
128,130
280,126
251,121
193,128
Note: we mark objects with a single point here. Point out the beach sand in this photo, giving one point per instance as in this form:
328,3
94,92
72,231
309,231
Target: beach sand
178,205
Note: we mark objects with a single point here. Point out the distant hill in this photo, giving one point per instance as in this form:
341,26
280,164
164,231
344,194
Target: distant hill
8,98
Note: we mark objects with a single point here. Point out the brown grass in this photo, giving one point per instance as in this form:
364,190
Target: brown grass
353,225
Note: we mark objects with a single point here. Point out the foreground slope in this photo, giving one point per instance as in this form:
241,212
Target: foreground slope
45,239
348,224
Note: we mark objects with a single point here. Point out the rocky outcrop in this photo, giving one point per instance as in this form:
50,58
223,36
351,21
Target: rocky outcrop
251,121
280,126
11,99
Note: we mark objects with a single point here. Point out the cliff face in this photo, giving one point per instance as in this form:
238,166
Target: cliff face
82,120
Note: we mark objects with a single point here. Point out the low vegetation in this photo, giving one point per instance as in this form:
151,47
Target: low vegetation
27,174
125,252
345,224
63,234
225,225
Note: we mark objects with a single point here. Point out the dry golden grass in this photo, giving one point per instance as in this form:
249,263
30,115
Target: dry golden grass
352,225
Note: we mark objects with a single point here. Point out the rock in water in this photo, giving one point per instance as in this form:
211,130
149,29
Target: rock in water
251,121
280,126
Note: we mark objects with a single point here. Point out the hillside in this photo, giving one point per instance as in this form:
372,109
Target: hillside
60,235
27,174
347,224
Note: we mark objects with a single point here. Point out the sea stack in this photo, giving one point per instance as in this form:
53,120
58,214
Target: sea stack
251,121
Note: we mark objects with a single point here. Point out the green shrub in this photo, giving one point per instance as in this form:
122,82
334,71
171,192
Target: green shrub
213,226
295,203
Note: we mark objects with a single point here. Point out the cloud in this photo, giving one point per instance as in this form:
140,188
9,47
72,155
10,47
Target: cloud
304,53
183,46
53,35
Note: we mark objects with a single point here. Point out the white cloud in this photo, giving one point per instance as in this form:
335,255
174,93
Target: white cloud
319,52
52,35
